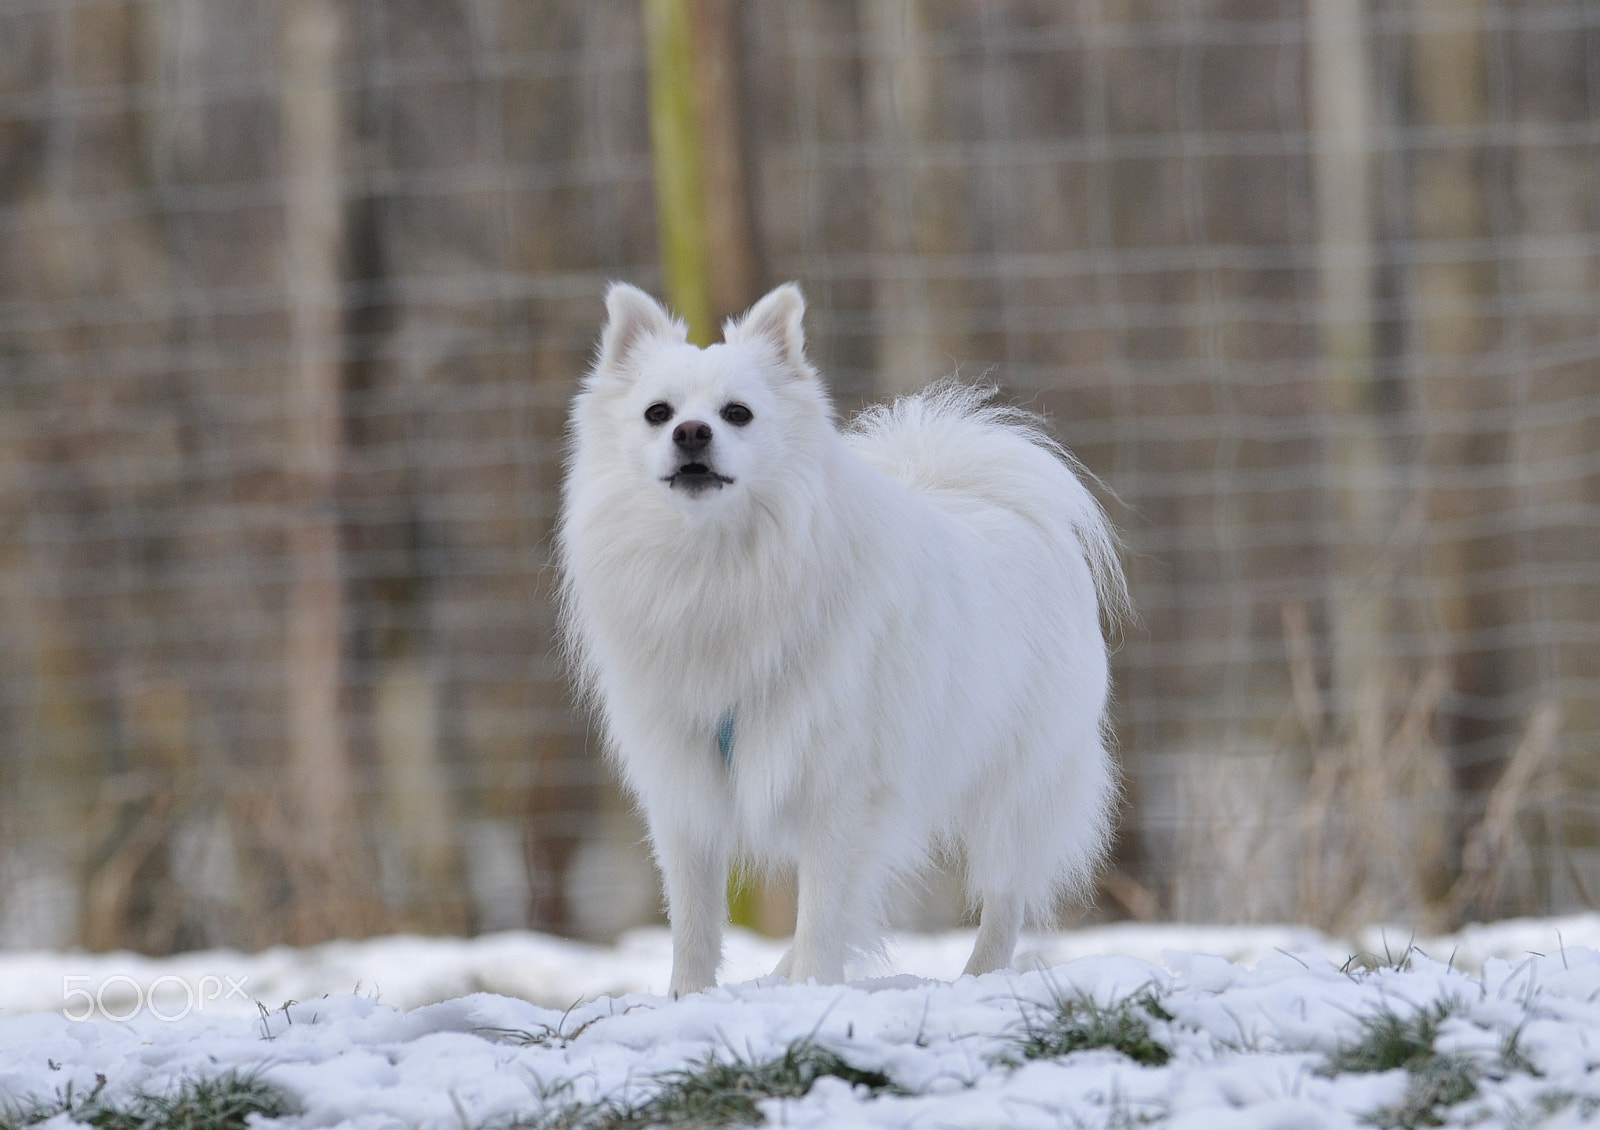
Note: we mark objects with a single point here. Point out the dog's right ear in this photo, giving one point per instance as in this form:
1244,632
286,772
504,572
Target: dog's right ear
632,316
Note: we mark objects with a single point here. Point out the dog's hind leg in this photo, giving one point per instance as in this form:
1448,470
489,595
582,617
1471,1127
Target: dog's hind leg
998,928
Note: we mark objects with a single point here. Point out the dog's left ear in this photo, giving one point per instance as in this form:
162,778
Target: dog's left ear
776,320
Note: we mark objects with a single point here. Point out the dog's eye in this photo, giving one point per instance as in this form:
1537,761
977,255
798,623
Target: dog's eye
658,413
737,414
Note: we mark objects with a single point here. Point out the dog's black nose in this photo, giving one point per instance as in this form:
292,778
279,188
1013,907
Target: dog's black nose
691,436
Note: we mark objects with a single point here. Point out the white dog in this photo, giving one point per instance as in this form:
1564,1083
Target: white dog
843,652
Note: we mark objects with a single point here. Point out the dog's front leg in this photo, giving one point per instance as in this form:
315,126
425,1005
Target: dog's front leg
838,893
695,874
819,944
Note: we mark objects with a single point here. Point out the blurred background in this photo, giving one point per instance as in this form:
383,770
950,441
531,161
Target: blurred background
294,295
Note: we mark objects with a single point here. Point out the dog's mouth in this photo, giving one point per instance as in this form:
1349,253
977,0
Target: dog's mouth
696,477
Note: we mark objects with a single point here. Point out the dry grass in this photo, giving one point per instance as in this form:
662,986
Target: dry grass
1493,843
713,1093
227,1102
1077,1023
1354,819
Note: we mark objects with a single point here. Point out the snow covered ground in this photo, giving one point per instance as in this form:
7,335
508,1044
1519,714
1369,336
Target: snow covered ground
1257,1027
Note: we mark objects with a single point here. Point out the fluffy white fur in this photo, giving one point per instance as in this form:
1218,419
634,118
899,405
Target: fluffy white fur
903,617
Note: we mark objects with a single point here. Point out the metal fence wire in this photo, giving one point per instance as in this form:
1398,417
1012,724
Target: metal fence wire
294,295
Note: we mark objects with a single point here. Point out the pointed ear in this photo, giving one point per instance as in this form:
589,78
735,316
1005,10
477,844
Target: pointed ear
632,316
775,320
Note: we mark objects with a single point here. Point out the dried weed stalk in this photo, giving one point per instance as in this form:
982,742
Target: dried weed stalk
1372,835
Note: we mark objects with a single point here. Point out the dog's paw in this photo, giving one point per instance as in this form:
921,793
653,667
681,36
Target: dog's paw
784,970
683,987
800,968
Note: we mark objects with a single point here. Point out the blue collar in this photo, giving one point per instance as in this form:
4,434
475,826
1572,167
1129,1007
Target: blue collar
725,737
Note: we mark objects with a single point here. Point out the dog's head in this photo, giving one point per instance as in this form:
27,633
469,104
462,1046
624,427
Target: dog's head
704,427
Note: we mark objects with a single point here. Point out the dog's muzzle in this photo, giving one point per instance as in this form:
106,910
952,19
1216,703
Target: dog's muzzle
691,438
696,477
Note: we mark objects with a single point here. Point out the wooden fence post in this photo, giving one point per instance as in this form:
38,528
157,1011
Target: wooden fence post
707,248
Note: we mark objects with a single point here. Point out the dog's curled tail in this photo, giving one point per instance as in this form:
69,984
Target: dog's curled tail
945,437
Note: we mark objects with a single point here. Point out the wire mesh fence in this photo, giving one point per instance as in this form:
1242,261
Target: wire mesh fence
294,294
